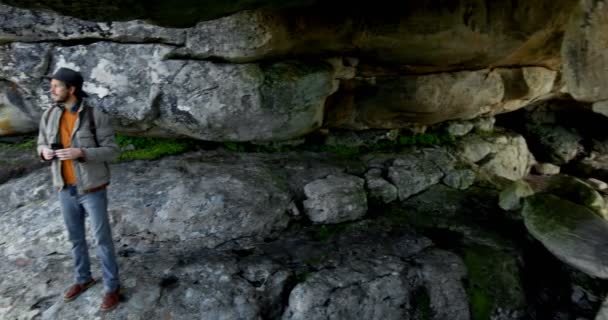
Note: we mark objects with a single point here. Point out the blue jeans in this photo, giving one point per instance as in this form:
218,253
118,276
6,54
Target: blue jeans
75,207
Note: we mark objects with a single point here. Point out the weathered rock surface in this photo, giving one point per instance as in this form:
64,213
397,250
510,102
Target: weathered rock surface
603,312
395,101
593,166
371,279
172,94
167,272
200,99
335,199
470,35
197,202
573,233
584,52
170,13
511,197
15,161
577,191
546,168
502,154
379,190
36,26
405,171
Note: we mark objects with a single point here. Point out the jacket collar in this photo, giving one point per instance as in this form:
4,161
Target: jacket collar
75,108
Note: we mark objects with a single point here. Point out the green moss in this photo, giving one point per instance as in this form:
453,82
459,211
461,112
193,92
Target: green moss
151,148
29,144
301,277
421,302
477,289
144,148
326,232
493,281
315,261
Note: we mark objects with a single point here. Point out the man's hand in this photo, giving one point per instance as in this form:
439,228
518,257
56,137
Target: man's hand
68,154
48,154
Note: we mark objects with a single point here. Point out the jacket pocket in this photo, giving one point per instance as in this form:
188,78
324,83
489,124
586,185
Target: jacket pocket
85,139
93,174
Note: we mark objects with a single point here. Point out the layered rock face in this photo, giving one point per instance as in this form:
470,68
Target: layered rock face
295,70
413,232
208,236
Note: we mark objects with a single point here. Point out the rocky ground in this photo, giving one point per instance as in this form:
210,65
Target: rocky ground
425,233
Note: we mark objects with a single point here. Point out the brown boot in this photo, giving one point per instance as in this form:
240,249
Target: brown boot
110,300
76,289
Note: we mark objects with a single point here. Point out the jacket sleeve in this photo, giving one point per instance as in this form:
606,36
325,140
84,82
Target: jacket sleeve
108,149
42,139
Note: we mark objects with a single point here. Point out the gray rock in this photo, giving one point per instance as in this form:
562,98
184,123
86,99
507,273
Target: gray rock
593,166
603,312
415,172
573,233
428,99
242,37
459,129
270,281
335,199
381,278
379,190
21,92
16,115
218,203
546,168
597,184
204,100
556,144
511,197
426,46
504,155
600,107
37,26
459,179
572,189
16,162
246,102
442,273
377,290
485,124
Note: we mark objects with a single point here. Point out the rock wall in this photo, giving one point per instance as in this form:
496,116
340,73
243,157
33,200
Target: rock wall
270,74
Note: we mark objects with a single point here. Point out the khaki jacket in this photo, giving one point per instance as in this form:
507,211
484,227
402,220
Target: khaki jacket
92,171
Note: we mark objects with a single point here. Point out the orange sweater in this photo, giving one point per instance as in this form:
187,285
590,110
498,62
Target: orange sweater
66,127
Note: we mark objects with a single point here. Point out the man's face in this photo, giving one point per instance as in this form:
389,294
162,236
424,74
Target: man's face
60,92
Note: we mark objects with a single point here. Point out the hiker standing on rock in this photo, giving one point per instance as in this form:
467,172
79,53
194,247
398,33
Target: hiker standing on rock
79,141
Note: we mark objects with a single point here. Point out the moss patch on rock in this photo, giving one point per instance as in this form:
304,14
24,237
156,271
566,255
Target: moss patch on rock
493,281
140,148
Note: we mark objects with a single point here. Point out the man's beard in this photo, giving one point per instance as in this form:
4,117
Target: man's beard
59,99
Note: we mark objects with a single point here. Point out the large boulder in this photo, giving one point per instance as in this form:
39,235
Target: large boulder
381,101
200,204
500,154
381,278
420,37
22,67
337,198
201,99
415,172
573,233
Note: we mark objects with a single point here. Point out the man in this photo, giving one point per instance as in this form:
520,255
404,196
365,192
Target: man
80,141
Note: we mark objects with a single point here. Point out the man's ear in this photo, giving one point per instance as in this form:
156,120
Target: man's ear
72,90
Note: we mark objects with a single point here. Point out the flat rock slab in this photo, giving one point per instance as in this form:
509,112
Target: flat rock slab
573,233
